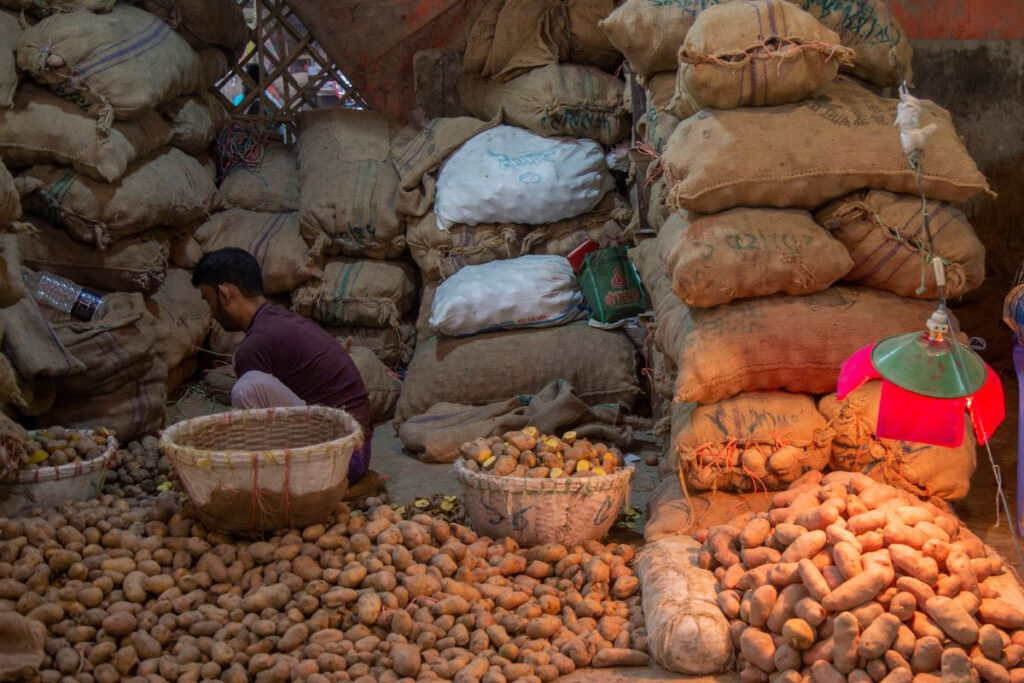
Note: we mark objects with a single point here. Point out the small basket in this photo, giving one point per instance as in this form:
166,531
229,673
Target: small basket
537,511
53,485
266,469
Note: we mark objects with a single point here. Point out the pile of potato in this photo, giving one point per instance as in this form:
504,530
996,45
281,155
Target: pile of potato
125,590
528,453
848,579
139,469
58,446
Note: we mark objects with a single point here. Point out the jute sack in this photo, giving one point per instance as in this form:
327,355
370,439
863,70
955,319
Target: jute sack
10,34
757,53
195,121
116,350
650,32
272,187
418,157
359,292
12,287
804,154
205,23
214,64
558,99
349,186
394,346
131,412
382,384
884,234
753,441
658,212
181,319
511,37
882,49
10,202
168,189
423,329
32,346
488,368
442,253
796,343
660,119
44,8
921,469
136,264
276,241
745,253
22,656
671,511
45,128
121,64
588,44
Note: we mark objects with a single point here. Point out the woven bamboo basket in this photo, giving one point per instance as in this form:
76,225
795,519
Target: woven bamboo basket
537,511
267,469
53,485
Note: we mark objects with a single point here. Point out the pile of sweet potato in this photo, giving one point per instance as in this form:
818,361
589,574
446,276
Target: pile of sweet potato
848,579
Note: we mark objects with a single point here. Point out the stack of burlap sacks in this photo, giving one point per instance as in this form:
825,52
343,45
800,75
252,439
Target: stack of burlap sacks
320,218
108,135
794,238
546,67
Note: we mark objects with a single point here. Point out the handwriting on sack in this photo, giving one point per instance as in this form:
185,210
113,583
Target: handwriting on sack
743,424
863,112
578,120
524,159
690,8
758,240
726,322
859,19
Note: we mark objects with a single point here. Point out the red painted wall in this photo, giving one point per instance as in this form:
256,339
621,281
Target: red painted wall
961,19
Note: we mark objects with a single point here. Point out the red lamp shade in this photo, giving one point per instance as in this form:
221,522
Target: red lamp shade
909,416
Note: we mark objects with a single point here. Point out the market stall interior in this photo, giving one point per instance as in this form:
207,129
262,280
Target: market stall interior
510,340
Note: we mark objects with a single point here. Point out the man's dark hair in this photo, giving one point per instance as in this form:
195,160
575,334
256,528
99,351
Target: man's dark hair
231,266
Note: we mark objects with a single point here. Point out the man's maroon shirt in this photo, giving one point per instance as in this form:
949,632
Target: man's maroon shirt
306,359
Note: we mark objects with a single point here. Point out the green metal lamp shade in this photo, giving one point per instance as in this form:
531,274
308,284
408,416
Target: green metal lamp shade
938,368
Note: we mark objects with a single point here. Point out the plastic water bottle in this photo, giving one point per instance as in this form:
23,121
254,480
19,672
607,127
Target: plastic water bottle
66,296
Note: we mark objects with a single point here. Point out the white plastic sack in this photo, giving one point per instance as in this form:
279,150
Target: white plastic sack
537,290
510,175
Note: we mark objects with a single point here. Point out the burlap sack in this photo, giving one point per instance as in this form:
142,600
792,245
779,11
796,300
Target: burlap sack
923,470
487,368
382,384
661,118
511,37
423,329
275,239
753,441
195,121
205,23
121,64
658,211
131,412
116,350
349,186
44,8
796,343
272,187
45,128
12,287
214,64
167,189
884,234
416,158
21,647
650,32
671,511
10,203
745,253
223,343
181,318
442,253
757,53
10,34
804,154
359,292
588,44
32,346
558,99
136,264
882,49
394,346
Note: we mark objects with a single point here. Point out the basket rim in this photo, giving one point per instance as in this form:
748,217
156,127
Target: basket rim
491,482
37,475
174,450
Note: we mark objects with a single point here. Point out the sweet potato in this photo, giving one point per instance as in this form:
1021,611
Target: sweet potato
845,637
758,648
856,591
990,671
818,518
813,580
755,532
785,606
729,603
912,563
867,521
958,564
1002,614
806,546
903,605
755,557
878,636
846,556
720,539
762,600
952,619
784,574
824,672
920,590
811,611
612,656
956,665
871,541
785,534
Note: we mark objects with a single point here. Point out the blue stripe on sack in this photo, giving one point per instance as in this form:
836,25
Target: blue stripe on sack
101,54
146,43
275,225
892,249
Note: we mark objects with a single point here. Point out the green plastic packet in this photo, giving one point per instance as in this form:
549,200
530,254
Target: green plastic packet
611,286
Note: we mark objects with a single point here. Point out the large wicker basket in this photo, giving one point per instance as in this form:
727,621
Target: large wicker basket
53,485
536,511
267,469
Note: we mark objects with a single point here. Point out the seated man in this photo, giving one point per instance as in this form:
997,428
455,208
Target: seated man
285,359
